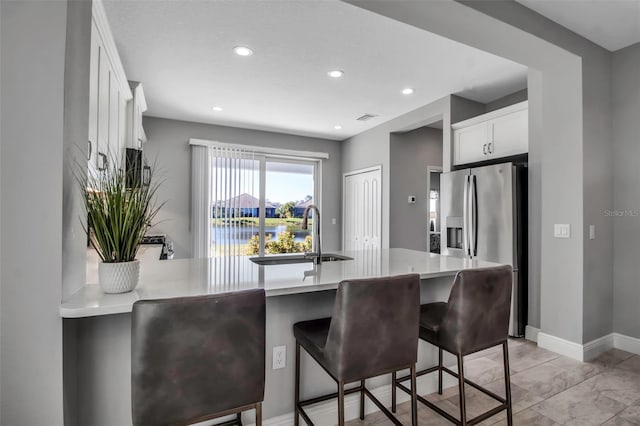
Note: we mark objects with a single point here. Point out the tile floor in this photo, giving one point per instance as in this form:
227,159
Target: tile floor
547,389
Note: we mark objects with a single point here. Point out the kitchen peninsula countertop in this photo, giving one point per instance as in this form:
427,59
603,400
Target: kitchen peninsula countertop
191,277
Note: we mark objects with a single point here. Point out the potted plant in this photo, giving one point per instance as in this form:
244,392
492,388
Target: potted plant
118,217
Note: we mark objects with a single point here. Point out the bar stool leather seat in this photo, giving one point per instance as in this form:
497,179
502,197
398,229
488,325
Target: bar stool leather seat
431,316
312,335
373,331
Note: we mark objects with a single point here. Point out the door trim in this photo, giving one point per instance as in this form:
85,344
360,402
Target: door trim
345,175
433,169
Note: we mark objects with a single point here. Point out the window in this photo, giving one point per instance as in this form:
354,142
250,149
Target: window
257,200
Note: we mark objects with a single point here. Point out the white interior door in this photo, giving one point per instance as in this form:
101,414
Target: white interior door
362,208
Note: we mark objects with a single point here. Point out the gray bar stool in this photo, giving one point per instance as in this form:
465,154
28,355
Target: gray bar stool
373,331
197,358
475,318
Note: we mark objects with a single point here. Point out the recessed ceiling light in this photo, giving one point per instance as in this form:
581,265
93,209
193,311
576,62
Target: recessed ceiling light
337,127
407,91
336,73
243,51
217,108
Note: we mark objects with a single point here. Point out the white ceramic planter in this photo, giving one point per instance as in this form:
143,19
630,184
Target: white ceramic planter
118,277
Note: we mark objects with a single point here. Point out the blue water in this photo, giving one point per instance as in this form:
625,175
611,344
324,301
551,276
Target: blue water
241,234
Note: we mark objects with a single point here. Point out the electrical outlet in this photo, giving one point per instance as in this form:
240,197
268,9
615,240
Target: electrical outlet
279,357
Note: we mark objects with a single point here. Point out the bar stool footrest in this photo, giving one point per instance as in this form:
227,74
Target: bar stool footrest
503,402
334,395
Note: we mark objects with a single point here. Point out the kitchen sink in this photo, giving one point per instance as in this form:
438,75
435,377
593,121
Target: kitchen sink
285,260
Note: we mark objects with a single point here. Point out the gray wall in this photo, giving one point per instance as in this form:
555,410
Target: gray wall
513,98
76,129
597,157
411,153
168,143
558,132
32,79
626,139
372,147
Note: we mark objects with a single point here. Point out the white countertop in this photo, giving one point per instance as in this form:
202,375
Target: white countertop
191,277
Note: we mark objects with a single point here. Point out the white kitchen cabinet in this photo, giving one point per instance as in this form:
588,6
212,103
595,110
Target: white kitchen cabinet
93,98
136,135
114,119
500,133
102,139
108,97
470,143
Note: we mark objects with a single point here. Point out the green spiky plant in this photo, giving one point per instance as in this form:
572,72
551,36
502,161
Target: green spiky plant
117,217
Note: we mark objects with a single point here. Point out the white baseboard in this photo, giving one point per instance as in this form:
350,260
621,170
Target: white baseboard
626,343
589,350
326,413
596,347
561,346
283,420
531,333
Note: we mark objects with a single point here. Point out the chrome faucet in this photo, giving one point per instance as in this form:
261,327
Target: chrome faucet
316,223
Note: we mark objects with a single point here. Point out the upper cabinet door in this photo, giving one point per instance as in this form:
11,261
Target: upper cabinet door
102,146
137,107
109,94
470,144
93,96
509,134
497,134
114,119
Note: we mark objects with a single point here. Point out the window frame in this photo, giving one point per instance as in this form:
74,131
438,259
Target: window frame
262,154
262,182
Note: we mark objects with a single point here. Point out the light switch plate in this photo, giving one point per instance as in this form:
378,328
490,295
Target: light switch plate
562,230
592,232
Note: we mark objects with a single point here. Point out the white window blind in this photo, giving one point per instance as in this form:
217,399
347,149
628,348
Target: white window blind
226,201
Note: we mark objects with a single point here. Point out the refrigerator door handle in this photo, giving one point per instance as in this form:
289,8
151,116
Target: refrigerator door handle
465,217
474,216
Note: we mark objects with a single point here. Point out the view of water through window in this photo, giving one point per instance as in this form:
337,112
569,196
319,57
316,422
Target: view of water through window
289,189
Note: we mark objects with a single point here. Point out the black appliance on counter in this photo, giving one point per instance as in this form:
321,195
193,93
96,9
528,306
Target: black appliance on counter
138,172
167,246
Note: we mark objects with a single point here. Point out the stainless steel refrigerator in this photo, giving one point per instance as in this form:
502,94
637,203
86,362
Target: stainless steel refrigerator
485,217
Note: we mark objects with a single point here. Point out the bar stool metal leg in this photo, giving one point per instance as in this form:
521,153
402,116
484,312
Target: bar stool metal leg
340,403
296,420
440,371
393,391
259,414
463,408
362,400
507,382
414,396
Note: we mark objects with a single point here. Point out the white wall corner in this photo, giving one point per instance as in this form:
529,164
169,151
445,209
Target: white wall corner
561,346
594,348
626,343
531,333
